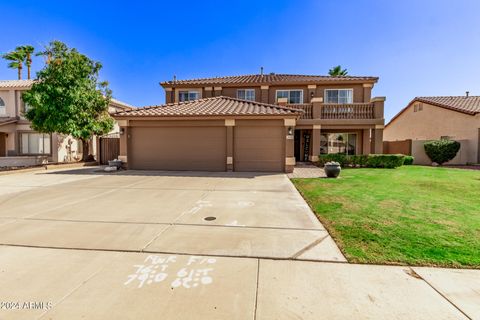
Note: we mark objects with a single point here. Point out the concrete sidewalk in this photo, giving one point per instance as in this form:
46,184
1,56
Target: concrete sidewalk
86,284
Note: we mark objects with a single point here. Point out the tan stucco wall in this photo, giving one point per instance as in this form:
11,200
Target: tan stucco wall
434,122
360,93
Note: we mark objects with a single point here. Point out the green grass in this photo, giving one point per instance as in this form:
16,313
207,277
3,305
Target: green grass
411,215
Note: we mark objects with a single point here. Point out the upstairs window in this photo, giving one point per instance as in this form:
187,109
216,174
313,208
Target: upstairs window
246,94
188,95
3,108
293,96
340,96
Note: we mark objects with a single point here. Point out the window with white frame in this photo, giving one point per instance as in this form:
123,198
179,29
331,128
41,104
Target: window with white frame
293,96
3,108
35,143
188,95
246,94
339,96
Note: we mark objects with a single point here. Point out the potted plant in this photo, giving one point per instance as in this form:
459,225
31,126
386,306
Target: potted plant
332,169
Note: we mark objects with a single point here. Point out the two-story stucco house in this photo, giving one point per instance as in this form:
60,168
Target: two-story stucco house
20,145
339,114
261,122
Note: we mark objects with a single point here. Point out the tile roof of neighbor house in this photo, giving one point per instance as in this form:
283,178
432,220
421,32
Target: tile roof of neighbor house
216,106
468,105
267,79
16,83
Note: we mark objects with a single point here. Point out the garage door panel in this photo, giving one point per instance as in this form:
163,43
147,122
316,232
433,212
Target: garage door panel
182,148
259,148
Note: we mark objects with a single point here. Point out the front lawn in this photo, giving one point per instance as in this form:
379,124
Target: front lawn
411,215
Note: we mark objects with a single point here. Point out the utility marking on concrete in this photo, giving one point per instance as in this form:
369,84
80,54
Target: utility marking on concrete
234,223
245,204
308,247
228,225
154,270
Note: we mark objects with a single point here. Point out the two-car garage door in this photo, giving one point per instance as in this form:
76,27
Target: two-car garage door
257,146
178,148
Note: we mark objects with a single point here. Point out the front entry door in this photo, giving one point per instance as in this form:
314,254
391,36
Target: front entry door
3,144
296,145
306,145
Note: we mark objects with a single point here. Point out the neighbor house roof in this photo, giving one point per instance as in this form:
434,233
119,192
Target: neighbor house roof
120,104
16,83
465,104
216,106
259,79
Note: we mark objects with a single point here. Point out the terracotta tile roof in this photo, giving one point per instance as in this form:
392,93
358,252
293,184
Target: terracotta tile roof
16,83
217,106
259,79
120,104
468,105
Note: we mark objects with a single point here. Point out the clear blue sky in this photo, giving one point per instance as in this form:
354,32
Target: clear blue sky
416,47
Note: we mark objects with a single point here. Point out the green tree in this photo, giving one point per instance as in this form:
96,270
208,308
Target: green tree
16,59
68,97
27,51
337,71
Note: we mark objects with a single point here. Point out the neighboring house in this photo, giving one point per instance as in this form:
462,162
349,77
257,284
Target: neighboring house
433,118
263,122
22,146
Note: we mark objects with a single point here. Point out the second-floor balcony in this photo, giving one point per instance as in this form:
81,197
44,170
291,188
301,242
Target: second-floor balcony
336,111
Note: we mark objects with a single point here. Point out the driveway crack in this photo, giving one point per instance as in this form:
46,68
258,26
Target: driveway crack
308,247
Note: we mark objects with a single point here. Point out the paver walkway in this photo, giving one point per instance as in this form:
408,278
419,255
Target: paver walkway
307,170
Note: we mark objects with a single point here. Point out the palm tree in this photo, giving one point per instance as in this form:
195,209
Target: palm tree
16,59
28,50
338,71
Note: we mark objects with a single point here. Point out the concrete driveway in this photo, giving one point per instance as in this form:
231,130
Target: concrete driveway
227,214
79,244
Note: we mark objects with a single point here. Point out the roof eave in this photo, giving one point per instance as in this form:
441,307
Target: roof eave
170,84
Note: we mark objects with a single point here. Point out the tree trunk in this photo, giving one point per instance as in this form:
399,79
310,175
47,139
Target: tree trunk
28,68
19,73
85,149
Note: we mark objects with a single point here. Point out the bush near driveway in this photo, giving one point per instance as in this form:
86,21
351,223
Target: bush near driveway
413,215
408,160
441,151
369,161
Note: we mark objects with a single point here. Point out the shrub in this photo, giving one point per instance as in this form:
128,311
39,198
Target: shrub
358,160
340,158
408,160
369,161
441,151
385,161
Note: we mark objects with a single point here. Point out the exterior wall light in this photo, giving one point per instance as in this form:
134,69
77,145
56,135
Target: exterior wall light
290,131
122,130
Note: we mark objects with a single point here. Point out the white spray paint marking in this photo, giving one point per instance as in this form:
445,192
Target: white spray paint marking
245,204
153,272
188,276
200,204
235,223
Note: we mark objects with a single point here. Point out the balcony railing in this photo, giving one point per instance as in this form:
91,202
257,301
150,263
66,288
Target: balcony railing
337,111
348,111
306,107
